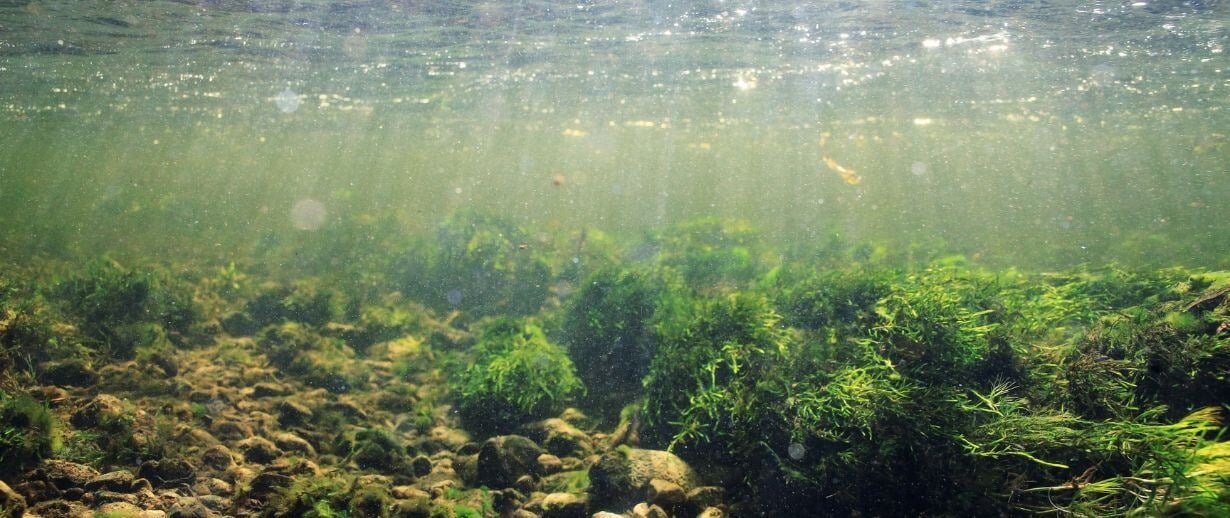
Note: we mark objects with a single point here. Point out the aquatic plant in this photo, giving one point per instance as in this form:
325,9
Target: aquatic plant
709,254
702,385
609,330
28,433
305,301
479,263
516,376
110,300
317,360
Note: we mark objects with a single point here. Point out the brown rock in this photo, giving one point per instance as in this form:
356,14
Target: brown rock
64,474
549,464
293,443
60,509
218,457
12,505
712,512
665,494
259,450
291,413
118,481
504,459
564,505
105,412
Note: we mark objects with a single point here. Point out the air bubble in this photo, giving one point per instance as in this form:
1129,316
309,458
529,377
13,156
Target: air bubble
287,101
796,451
308,214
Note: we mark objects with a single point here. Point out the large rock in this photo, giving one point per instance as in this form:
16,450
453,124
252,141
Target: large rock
104,412
12,505
64,474
621,476
564,505
504,459
559,437
68,373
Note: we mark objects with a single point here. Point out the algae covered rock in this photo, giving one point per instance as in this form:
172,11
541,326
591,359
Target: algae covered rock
621,476
504,459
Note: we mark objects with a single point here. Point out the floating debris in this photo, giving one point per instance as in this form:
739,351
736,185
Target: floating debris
847,174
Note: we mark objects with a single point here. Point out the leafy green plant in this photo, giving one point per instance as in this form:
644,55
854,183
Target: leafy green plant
516,376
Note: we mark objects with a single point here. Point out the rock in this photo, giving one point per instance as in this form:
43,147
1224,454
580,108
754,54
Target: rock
230,430
564,505
167,471
549,464
665,494
621,475
216,503
644,510
60,509
189,507
525,484
290,442
105,412
239,323
504,459
118,481
104,496
119,509
291,413
64,474
505,501
12,505
348,409
259,450
559,437
442,438
264,390
68,373
266,484
522,513
420,465
606,514
712,512
409,493
218,457
705,496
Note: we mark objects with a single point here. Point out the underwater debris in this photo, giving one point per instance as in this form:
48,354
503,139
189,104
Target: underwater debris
847,175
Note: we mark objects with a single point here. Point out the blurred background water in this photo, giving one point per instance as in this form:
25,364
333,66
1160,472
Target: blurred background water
1020,132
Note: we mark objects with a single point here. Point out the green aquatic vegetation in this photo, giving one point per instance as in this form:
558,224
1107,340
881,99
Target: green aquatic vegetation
304,301
28,334
317,360
702,385
843,299
29,432
375,449
481,264
609,330
516,376
318,497
709,254
932,326
383,322
110,300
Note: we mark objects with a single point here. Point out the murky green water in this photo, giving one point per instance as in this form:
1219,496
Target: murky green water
1025,133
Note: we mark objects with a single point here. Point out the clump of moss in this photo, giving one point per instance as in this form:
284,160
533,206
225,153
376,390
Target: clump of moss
375,449
317,360
28,433
303,301
609,329
516,376
325,496
116,306
481,264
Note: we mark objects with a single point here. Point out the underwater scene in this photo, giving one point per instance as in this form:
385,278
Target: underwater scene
531,258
